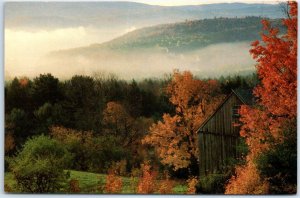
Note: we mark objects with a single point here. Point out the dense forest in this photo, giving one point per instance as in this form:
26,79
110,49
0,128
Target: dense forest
103,105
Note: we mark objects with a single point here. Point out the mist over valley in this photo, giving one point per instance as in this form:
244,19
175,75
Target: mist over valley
131,40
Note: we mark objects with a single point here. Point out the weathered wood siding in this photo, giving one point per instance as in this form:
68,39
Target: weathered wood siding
218,137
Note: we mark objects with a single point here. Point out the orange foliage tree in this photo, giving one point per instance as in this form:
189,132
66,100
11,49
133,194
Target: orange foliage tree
264,125
174,138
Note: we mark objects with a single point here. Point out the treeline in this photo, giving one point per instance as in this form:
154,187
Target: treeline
101,119
78,103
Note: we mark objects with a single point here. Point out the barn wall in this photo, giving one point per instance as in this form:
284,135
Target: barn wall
218,138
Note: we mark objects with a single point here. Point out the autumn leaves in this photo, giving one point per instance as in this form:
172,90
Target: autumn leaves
272,122
174,138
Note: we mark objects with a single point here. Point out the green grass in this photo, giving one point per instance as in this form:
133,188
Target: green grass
180,189
89,182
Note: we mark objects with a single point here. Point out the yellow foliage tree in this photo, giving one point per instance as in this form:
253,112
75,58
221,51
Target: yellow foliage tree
174,138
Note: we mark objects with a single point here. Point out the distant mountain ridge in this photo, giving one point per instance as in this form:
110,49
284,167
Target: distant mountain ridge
184,36
100,14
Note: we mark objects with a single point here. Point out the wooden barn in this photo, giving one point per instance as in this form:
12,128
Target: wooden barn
218,137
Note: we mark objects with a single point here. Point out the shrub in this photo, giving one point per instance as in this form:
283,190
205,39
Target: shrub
192,182
213,183
247,181
9,143
146,183
74,186
38,167
7,188
134,179
91,153
120,167
166,186
113,182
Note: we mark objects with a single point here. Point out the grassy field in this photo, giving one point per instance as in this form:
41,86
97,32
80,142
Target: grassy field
89,182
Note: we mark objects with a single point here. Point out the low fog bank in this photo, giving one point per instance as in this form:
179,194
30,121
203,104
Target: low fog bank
212,61
25,50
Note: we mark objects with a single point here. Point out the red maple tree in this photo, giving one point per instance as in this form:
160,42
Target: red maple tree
264,124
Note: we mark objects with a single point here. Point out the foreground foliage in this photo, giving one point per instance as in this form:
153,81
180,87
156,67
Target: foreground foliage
38,167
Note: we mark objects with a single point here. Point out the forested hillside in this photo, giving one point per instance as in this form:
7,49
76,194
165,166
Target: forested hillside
191,35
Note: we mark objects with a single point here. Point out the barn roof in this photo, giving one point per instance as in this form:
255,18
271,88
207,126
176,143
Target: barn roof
245,95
